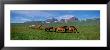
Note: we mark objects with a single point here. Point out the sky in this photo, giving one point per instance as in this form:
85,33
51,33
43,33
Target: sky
20,16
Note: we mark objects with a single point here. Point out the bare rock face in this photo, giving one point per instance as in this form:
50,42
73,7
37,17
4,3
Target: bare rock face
69,19
51,20
72,19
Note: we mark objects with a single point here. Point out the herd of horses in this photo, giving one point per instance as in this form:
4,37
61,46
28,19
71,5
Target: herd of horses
63,29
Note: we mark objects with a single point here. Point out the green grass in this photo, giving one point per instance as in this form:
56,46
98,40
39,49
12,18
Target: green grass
86,32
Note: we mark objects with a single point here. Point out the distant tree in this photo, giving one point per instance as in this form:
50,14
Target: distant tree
97,19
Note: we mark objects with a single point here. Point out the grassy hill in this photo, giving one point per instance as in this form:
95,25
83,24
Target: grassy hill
88,30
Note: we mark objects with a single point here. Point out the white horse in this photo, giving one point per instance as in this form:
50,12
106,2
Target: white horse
32,26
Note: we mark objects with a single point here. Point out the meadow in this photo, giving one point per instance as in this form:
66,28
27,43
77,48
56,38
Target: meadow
88,30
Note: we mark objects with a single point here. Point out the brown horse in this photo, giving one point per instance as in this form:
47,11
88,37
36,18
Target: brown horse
38,26
73,29
65,27
50,29
60,29
70,29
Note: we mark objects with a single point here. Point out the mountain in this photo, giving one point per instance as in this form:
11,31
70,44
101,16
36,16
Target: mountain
71,19
62,20
51,20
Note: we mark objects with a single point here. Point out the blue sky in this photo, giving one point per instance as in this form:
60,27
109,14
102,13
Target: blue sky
20,16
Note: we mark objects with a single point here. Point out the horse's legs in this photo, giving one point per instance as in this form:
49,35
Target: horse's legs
76,30
55,30
45,29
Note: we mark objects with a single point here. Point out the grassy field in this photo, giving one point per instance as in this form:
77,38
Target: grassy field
87,31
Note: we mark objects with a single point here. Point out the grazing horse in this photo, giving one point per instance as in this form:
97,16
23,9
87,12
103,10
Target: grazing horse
32,26
65,27
35,26
73,29
50,29
38,26
60,29
70,29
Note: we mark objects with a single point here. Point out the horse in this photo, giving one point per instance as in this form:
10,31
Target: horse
60,29
73,29
32,26
50,29
35,26
69,29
